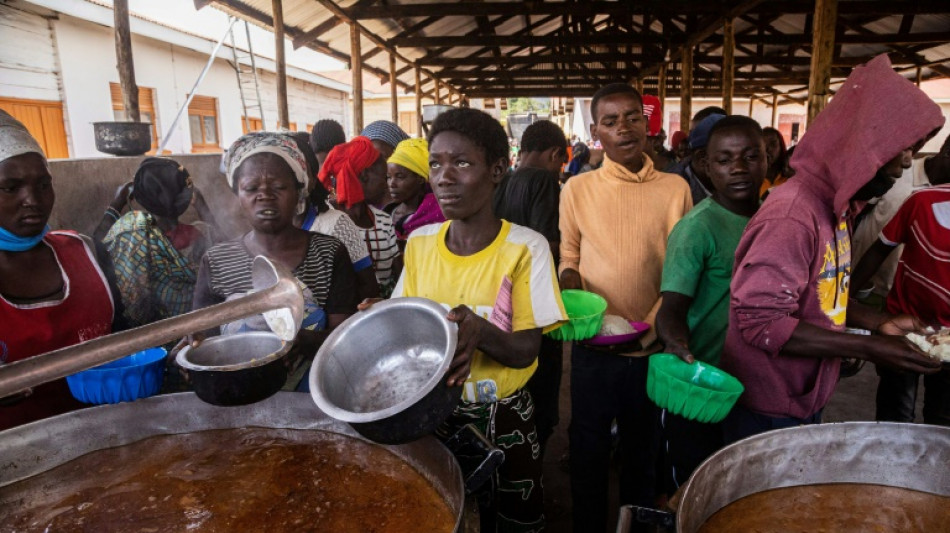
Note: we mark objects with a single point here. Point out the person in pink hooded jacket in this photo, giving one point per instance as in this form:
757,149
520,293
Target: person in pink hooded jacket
790,301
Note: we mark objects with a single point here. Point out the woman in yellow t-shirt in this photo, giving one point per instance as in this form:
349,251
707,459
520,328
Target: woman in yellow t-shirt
498,279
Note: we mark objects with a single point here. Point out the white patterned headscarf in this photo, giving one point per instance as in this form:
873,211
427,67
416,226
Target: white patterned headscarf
15,139
260,142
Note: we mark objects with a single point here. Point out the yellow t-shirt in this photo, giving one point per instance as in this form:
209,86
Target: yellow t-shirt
512,283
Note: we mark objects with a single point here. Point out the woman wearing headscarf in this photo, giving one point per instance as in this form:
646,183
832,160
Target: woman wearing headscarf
356,172
53,293
268,173
414,204
317,215
386,135
155,257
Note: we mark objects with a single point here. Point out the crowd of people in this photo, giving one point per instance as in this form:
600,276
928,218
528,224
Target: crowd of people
679,238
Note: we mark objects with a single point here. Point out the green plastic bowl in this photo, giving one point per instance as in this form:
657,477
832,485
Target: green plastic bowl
585,313
697,391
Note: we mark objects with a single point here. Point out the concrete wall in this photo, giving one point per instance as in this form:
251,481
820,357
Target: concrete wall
87,54
85,187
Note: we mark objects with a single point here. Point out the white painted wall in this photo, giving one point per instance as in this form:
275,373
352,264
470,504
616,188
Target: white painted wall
87,53
28,69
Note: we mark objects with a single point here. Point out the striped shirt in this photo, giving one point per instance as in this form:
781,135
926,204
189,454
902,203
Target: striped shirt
337,224
381,241
325,271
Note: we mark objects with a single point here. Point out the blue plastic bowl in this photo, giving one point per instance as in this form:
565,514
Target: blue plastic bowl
137,376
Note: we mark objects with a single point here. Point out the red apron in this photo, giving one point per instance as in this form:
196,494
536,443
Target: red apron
84,313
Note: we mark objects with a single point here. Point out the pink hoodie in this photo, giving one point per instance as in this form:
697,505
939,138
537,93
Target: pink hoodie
794,260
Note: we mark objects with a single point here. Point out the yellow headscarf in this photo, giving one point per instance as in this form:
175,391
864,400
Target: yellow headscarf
414,155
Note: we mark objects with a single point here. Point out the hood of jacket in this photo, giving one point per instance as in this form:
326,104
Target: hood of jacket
875,115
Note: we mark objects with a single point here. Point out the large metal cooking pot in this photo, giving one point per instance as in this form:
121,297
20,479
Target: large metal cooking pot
909,456
40,446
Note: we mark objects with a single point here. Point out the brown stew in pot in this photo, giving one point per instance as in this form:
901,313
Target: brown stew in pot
250,479
833,508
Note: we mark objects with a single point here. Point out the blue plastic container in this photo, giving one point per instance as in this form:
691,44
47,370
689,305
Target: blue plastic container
137,376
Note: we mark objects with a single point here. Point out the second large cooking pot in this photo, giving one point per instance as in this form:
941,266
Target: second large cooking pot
909,456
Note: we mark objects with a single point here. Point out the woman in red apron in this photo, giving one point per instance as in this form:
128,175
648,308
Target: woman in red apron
52,291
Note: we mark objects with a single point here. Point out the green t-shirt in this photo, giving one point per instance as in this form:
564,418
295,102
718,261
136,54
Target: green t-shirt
699,256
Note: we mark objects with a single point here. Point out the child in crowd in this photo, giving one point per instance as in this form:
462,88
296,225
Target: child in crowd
499,281
694,314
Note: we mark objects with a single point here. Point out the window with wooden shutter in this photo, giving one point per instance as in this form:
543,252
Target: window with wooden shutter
44,120
146,109
203,123
255,123
258,124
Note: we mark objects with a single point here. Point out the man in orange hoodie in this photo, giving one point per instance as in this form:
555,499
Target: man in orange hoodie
614,225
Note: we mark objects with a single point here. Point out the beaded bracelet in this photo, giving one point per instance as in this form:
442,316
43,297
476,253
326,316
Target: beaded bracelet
110,211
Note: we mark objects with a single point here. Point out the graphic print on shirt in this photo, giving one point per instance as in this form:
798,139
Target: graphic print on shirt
835,275
500,316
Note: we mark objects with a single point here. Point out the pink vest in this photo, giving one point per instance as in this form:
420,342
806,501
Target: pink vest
84,313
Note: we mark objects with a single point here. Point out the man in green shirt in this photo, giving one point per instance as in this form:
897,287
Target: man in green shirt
694,315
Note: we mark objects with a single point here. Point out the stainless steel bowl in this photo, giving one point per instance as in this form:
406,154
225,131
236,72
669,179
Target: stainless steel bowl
383,370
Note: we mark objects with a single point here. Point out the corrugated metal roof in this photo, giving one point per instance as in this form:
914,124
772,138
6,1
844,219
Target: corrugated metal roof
582,45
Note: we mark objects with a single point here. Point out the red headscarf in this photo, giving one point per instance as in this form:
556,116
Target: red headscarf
343,166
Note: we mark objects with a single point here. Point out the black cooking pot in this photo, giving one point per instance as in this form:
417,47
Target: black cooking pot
123,138
236,369
383,370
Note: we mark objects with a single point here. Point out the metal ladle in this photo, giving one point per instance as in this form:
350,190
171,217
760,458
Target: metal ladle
278,296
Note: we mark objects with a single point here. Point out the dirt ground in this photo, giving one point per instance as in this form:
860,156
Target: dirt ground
853,400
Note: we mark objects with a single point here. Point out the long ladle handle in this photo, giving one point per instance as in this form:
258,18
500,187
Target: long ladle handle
21,375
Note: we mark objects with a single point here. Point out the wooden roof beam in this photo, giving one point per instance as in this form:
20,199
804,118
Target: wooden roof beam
552,39
593,8
337,11
411,30
910,55
245,12
468,8
707,29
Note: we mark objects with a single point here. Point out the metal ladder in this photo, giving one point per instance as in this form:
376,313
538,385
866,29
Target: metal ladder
248,82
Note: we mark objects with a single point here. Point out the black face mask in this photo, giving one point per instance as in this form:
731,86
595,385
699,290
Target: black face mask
877,187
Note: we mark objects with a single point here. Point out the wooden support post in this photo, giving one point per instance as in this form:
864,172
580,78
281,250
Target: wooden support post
419,97
919,75
686,87
283,111
661,85
638,83
438,90
728,64
774,109
822,53
751,104
124,63
392,88
356,65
